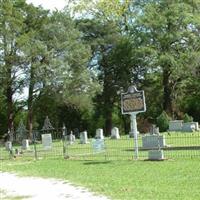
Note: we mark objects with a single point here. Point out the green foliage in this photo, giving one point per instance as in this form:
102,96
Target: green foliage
187,118
163,121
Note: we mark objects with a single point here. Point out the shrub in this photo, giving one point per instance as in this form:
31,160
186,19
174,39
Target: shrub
163,121
187,118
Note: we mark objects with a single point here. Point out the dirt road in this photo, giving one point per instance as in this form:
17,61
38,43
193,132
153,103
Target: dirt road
15,187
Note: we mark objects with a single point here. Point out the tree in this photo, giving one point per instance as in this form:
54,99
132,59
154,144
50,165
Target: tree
170,27
11,63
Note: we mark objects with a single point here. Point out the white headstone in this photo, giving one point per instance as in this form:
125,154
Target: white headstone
153,141
8,145
188,127
25,144
196,125
71,138
83,137
47,141
115,133
98,145
175,125
99,134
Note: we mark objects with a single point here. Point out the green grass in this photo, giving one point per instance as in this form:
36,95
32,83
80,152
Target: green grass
171,179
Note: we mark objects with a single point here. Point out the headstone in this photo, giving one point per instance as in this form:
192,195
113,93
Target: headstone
47,141
71,138
83,137
175,125
25,144
115,133
196,124
156,155
8,145
153,141
98,145
99,134
188,127
21,132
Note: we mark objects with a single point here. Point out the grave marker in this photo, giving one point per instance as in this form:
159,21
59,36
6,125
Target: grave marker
25,144
47,141
115,133
98,145
99,134
83,137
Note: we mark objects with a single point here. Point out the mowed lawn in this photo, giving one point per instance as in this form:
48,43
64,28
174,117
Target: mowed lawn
169,179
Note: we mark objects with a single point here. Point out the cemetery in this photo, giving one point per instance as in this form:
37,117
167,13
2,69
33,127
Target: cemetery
103,93
60,143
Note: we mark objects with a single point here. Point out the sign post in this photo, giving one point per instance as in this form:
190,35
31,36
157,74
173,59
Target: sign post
132,103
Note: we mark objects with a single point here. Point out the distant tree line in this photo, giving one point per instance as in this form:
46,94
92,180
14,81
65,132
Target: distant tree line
72,64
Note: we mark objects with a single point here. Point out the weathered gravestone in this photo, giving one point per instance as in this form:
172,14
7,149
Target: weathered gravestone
83,137
115,133
98,145
188,127
196,124
99,134
8,145
71,138
178,125
153,141
175,125
47,141
25,144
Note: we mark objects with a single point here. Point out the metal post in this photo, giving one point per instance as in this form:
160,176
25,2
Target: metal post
135,133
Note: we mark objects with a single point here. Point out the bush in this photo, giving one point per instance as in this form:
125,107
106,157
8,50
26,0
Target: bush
163,121
187,118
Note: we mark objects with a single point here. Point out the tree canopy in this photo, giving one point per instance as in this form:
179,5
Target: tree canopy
72,64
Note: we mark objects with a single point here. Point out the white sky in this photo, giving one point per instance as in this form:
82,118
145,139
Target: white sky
49,4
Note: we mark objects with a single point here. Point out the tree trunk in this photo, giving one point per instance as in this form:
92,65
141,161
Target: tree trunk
108,122
9,98
167,91
30,103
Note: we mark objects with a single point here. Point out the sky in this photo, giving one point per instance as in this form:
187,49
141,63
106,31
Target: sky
49,4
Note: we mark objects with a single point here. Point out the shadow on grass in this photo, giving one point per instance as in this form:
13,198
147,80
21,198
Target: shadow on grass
96,162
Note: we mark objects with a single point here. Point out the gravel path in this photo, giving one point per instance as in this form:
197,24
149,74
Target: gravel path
39,189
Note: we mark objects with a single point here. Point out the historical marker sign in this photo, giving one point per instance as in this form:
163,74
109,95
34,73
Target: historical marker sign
133,101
